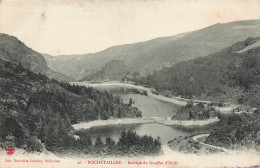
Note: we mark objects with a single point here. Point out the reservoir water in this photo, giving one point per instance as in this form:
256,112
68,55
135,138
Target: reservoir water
150,107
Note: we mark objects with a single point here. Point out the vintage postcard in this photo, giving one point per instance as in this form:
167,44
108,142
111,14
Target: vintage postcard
129,84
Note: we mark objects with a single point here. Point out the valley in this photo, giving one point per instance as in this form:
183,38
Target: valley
129,84
201,99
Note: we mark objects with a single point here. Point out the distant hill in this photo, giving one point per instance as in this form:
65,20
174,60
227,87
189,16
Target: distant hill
113,70
14,50
151,55
229,75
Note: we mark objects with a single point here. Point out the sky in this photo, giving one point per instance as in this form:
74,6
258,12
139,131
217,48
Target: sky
64,27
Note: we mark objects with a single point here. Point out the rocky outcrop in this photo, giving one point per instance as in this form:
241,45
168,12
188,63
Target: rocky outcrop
12,49
199,111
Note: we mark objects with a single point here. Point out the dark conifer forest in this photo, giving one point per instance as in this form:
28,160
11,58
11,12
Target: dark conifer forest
129,144
37,112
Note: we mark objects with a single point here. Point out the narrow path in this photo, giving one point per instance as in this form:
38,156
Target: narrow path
195,138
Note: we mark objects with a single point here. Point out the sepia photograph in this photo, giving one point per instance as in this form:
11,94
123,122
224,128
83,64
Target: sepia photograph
129,84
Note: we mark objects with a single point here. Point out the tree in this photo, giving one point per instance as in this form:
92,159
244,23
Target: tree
130,102
122,138
110,145
99,143
110,142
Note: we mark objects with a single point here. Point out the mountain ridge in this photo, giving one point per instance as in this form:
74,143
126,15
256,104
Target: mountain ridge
151,55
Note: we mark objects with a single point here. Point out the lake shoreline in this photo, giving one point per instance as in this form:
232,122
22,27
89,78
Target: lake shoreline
174,100
156,120
145,120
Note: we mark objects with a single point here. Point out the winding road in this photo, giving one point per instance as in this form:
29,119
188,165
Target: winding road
195,138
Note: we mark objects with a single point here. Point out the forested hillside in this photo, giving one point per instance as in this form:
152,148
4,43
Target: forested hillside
37,111
227,75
